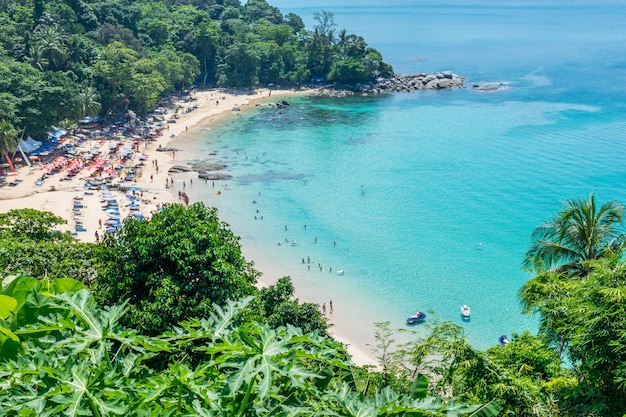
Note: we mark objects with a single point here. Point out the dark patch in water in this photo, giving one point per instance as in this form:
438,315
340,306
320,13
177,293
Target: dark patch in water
269,177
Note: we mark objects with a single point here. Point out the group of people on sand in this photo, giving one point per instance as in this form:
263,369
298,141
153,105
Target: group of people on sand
183,196
330,307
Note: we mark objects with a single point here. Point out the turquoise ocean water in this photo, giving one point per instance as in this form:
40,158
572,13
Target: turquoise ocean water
427,200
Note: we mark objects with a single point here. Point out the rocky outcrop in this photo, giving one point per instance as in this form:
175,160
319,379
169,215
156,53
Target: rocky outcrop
281,104
401,83
408,83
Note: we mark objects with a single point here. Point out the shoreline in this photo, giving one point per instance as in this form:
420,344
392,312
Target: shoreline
210,107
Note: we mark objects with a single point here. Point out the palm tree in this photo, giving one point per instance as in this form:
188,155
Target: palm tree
581,232
36,59
90,106
52,45
76,49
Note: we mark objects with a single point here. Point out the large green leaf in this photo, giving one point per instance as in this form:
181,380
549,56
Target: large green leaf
9,344
419,387
7,306
491,409
20,288
61,285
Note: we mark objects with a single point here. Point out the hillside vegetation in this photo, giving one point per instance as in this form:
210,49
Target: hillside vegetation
63,60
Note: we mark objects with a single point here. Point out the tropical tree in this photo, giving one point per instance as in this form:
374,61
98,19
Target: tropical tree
173,267
115,67
281,308
597,342
584,320
30,246
89,100
582,231
30,224
51,44
239,67
8,137
294,21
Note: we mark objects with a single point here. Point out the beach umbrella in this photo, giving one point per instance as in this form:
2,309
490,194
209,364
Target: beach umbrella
110,229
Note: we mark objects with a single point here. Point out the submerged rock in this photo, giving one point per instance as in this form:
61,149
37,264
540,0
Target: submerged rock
206,166
206,170
179,168
213,176
489,87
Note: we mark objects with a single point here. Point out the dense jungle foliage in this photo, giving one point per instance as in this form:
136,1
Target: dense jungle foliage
85,347
63,60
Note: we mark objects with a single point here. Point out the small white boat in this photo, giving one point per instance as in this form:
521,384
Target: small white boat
465,311
340,272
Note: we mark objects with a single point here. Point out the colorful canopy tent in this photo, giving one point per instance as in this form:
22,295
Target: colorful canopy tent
57,133
29,144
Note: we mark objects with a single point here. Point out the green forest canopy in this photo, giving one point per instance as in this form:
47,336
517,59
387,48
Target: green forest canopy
63,60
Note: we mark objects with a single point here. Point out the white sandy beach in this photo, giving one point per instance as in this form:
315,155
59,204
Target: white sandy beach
84,211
